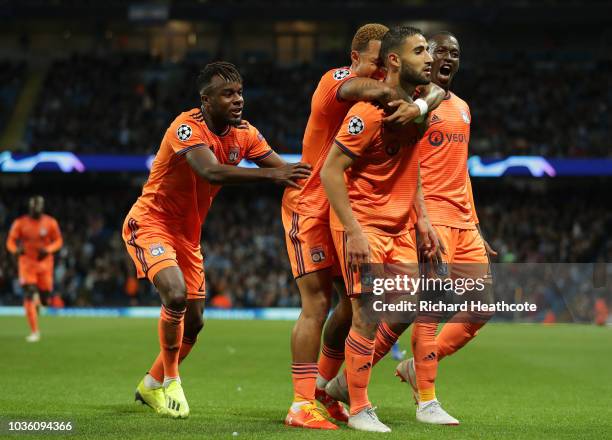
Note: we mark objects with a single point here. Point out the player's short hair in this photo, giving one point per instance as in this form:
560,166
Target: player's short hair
366,33
395,38
227,71
442,33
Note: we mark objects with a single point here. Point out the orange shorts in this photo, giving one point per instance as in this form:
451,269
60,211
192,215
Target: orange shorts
37,274
400,249
309,243
465,251
153,249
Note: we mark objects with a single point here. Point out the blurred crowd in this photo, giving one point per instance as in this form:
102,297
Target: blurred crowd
245,255
122,103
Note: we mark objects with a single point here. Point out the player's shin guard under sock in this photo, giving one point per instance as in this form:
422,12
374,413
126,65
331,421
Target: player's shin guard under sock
385,340
170,335
425,358
157,369
330,361
359,354
31,315
304,375
454,335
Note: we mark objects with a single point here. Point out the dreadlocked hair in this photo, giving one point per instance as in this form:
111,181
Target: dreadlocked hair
227,71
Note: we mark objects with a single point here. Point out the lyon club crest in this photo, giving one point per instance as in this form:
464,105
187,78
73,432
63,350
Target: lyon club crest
234,154
156,249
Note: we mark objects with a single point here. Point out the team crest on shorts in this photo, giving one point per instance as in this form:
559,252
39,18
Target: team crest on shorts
341,74
43,232
156,249
234,154
184,132
356,125
317,254
465,116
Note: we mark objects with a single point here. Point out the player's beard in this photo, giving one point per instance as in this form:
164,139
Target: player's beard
411,76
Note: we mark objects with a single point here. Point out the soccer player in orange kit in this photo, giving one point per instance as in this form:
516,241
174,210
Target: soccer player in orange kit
371,179
200,152
34,238
305,214
447,190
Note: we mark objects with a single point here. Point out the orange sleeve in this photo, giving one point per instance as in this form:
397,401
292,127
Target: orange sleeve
258,147
13,235
471,195
326,99
359,128
56,237
186,134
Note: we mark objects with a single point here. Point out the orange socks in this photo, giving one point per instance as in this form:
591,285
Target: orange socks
157,370
359,353
330,362
425,351
31,315
455,335
385,339
170,329
304,375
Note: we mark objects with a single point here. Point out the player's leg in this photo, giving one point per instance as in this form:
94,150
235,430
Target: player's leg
191,264
470,262
424,346
311,260
359,344
155,258
331,357
336,330
31,313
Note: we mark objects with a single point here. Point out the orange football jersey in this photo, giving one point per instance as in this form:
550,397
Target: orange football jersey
174,198
35,234
443,153
327,111
382,181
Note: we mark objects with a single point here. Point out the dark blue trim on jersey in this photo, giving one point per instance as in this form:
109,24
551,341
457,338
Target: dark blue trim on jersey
188,149
262,157
345,150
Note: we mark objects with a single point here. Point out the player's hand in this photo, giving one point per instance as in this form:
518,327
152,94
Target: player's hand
405,112
357,249
288,174
490,251
431,247
20,250
42,253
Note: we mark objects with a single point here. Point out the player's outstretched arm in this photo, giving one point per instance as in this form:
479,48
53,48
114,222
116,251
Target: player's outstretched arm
332,176
367,89
206,165
273,160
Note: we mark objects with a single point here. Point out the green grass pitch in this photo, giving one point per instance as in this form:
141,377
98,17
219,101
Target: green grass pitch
513,381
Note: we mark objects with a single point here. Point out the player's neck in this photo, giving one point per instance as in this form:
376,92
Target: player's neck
406,90
216,127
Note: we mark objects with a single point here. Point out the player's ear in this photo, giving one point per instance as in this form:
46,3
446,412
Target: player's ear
354,57
393,61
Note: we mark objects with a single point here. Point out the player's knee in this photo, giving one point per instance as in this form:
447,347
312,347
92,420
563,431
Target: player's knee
175,297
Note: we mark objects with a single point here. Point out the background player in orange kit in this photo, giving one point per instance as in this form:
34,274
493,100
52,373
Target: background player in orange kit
443,153
305,214
34,238
198,153
371,179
